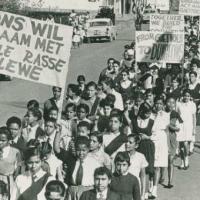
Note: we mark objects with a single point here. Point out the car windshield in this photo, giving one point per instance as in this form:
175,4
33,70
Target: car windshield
99,24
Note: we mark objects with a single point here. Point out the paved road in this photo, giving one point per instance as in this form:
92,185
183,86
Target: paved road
89,60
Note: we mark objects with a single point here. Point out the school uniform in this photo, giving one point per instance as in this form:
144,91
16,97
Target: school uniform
160,138
101,157
127,186
94,195
89,164
34,132
114,143
34,187
93,105
19,143
10,160
118,100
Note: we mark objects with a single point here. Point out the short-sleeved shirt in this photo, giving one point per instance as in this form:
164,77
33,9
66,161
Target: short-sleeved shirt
138,162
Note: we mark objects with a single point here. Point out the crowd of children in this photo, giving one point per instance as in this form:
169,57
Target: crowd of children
115,137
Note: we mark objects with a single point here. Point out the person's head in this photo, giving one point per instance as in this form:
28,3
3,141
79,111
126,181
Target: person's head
107,84
96,140
125,74
81,79
4,137
14,126
46,150
111,98
107,107
145,110
56,92
70,111
33,104
82,146
91,89
128,103
193,76
55,190
122,162
170,104
175,82
83,129
33,116
186,95
159,103
82,111
132,143
102,178
110,62
116,66
125,54
50,126
33,159
130,53
73,91
195,64
53,112
115,122
149,95
191,52
139,98
33,143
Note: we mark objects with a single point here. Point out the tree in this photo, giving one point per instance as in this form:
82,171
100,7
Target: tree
18,6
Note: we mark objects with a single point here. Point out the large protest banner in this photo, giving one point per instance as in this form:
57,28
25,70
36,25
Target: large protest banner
34,50
189,7
159,47
167,23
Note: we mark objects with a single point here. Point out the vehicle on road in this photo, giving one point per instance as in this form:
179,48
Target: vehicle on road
100,28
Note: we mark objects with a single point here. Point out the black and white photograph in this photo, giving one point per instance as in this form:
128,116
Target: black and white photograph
99,99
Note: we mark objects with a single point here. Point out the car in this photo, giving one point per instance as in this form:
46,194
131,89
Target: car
146,15
100,28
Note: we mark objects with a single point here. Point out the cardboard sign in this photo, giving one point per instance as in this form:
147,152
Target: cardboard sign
34,50
159,47
167,23
189,7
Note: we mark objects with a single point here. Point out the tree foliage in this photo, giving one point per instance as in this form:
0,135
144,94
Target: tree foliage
18,6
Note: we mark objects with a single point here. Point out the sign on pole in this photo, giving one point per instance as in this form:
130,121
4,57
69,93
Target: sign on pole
159,47
167,23
189,7
34,50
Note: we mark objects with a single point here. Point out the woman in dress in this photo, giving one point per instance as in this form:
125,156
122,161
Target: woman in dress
187,110
142,125
160,139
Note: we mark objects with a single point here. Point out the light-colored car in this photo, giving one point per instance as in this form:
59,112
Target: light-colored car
99,28
146,14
